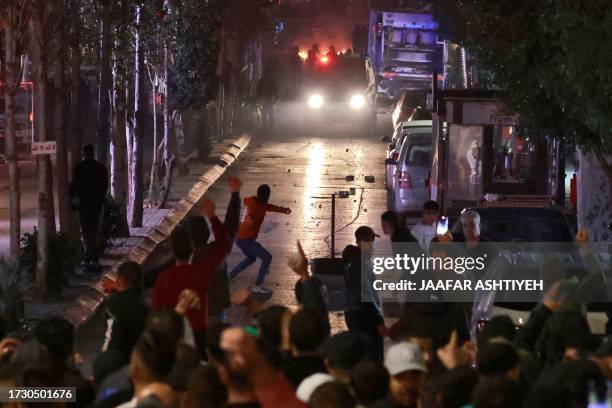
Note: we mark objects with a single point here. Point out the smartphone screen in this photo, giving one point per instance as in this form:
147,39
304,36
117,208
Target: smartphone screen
442,227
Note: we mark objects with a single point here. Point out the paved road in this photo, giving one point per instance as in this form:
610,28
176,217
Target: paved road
297,166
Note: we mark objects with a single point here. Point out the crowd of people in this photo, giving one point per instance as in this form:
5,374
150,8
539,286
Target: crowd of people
180,350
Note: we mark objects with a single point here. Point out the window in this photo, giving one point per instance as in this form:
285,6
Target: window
512,156
464,162
418,147
419,155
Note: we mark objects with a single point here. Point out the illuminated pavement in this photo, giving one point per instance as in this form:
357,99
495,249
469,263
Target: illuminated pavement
297,166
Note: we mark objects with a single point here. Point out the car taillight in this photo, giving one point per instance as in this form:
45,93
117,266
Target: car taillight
395,156
405,182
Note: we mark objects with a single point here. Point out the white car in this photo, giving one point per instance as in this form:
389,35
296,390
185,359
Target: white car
411,171
394,147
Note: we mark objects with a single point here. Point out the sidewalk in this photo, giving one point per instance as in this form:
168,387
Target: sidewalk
84,296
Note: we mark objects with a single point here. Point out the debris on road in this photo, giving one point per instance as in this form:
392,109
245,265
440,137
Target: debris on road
369,179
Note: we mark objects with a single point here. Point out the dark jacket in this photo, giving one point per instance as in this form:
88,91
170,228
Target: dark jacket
312,294
128,311
434,320
297,369
353,281
528,335
219,293
89,185
402,234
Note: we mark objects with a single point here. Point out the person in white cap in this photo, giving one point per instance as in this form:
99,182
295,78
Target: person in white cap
406,367
310,384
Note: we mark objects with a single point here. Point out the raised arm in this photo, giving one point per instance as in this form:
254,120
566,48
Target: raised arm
223,243
276,208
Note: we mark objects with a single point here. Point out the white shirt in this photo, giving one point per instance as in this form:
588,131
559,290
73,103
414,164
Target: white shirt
424,234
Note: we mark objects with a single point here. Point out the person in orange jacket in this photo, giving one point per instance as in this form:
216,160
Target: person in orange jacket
256,208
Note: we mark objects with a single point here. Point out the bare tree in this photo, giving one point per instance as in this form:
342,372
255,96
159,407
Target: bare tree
75,139
59,122
14,15
154,80
136,152
103,126
119,149
43,24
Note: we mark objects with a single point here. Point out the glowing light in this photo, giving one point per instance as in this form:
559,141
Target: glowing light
315,101
313,173
303,55
358,102
324,59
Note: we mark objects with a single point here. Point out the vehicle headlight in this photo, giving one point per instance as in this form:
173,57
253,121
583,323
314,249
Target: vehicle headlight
315,101
358,102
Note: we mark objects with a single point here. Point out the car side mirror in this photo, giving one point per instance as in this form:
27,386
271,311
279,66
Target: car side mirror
391,162
385,139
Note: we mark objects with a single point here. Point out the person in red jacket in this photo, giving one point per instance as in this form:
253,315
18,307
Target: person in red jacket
254,214
196,276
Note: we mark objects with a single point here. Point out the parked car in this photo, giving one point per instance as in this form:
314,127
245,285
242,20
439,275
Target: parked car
394,147
410,183
538,226
521,224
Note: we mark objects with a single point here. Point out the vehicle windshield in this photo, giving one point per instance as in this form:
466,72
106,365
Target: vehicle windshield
527,230
344,74
524,229
419,150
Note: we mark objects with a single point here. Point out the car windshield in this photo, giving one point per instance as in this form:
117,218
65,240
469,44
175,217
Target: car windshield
419,150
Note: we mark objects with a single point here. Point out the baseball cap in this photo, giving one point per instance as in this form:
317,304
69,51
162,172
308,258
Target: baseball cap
309,385
363,233
404,356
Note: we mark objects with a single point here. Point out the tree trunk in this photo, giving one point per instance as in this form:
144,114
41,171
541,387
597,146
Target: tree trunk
153,180
103,126
119,173
74,154
12,80
169,145
46,223
129,130
61,166
135,204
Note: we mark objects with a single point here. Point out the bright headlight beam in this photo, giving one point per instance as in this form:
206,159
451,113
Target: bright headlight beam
358,102
315,101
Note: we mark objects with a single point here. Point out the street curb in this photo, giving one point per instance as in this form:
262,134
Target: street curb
92,298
